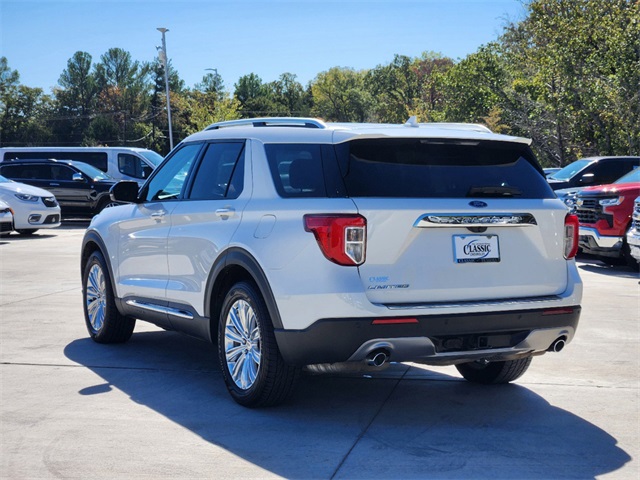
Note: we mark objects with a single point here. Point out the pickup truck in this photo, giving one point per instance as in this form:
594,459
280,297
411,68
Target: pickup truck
605,214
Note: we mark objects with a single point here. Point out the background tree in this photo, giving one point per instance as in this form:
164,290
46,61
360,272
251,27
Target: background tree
256,98
339,94
575,75
75,100
22,110
123,95
290,96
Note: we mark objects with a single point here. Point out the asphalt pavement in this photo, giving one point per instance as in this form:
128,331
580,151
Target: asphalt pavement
156,407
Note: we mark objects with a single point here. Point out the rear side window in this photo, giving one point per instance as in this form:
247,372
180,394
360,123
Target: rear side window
27,172
221,172
424,168
297,169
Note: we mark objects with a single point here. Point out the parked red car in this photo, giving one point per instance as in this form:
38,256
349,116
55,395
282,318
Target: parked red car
605,218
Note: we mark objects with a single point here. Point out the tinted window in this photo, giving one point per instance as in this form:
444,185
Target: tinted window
133,166
97,159
27,172
570,170
91,171
62,173
220,163
169,180
632,176
440,168
297,170
153,157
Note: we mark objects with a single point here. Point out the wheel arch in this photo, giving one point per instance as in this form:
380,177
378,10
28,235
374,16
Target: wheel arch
92,242
235,265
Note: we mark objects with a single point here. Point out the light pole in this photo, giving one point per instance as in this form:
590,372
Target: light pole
162,53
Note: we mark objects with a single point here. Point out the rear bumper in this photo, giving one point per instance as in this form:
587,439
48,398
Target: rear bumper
433,339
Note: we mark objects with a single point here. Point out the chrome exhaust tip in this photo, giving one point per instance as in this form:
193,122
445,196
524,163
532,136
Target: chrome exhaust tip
377,358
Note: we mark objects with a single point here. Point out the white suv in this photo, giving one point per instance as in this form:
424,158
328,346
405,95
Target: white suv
290,242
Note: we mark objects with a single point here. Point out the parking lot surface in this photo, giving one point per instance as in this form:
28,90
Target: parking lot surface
156,407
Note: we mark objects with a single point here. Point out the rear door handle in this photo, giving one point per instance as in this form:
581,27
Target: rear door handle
158,215
225,212
54,184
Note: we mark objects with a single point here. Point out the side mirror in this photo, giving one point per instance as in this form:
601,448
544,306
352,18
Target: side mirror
587,178
78,177
125,191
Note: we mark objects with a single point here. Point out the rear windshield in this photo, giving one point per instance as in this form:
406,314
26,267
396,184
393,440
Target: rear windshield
408,168
427,168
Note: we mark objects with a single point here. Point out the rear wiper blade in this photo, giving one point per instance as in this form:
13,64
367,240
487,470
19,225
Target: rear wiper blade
494,191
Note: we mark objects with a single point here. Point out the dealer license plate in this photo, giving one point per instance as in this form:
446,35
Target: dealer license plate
476,248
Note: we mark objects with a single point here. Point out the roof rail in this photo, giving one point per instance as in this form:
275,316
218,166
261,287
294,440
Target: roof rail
472,127
270,122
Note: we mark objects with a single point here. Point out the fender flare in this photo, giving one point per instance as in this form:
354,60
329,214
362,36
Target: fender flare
91,236
241,258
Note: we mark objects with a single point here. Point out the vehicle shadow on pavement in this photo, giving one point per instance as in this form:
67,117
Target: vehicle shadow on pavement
398,424
21,238
610,271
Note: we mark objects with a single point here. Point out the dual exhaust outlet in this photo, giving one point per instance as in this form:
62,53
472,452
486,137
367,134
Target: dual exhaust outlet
380,356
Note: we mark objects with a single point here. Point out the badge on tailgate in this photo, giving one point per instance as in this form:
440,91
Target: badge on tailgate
476,248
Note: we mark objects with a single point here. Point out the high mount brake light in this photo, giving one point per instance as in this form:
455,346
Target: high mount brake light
571,228
341,237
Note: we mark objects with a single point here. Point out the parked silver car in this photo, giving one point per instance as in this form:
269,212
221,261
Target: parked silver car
293,242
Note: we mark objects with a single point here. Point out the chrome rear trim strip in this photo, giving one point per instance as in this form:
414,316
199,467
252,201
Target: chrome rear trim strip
475,303
160,309
439,220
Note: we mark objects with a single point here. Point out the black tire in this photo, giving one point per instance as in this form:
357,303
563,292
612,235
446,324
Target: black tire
494,372
104,322
27,231
245,333
106,203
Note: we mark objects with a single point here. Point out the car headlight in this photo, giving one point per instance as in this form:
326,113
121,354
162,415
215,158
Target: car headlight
610,202
25,197
570,201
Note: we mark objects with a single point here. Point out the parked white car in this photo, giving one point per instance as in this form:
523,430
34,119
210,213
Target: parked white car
293,242
6,218
33,208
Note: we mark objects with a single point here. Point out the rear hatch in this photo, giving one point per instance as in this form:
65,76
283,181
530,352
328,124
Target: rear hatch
454,221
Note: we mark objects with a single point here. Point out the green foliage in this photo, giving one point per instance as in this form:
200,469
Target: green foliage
339,94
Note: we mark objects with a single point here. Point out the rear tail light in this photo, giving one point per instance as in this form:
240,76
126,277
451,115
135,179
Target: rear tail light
342,238
571,228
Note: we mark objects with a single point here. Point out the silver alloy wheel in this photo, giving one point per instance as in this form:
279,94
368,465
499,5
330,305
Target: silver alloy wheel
242,344
96,298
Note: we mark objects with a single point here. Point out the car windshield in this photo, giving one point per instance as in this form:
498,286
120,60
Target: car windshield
4,180
632,176
153,157
570,170
92,172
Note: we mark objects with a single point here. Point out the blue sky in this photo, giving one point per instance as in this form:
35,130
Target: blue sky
304,37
